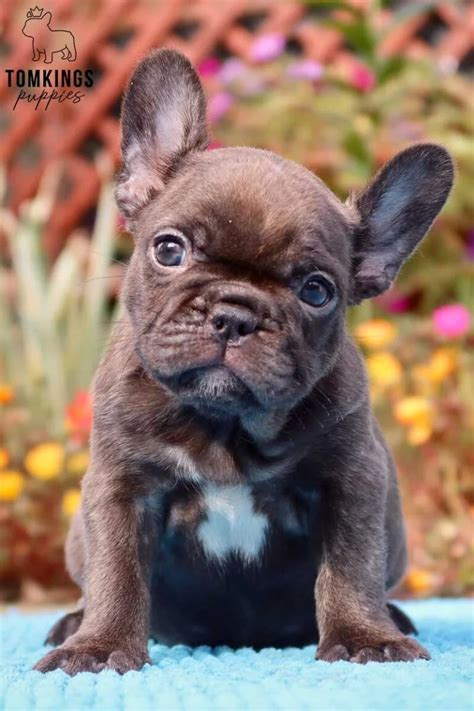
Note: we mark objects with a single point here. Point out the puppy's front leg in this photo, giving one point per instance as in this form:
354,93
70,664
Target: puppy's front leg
118,537
352,615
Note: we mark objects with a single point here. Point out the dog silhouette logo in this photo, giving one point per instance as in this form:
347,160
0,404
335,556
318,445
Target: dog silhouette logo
45,40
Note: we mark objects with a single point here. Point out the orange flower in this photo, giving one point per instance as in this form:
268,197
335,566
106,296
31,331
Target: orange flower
79,416
6,394
416,413
419,581
419,434
414,410
4,458
441,365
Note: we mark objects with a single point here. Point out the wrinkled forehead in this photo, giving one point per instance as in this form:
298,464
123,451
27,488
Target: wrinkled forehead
252,208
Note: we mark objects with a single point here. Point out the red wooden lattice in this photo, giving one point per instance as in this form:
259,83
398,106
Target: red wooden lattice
112,35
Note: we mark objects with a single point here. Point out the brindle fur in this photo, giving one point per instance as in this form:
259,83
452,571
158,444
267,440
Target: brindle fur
284,410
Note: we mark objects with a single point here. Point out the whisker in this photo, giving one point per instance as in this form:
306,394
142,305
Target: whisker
113,259
107,276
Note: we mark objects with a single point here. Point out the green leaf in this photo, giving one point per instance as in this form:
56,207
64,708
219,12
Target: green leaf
390,68
357,148
334,5
359,36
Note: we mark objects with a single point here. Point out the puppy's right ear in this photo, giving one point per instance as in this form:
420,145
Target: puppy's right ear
163,119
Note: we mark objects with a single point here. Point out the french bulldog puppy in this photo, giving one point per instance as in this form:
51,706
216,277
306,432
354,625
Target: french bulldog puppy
240,491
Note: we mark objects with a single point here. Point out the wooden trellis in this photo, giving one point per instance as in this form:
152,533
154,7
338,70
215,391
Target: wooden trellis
111,35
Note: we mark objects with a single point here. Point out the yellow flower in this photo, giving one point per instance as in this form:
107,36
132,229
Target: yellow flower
419,434
46,461
414,410
384,369
11,484
376,333
416,413
6,394
4,458
419,581
78,462
71,501
441,365
443,362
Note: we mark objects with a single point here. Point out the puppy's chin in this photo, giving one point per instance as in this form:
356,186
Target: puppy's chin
211,389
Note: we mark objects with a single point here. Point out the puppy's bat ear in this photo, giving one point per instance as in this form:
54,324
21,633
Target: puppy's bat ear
394,212
163,119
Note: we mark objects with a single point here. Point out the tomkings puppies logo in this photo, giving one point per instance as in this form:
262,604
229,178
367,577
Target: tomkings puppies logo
41,87
45,40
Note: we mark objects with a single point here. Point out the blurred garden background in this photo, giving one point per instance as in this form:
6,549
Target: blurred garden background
337,86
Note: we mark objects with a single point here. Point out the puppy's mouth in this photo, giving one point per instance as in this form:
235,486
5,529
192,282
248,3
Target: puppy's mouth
211,387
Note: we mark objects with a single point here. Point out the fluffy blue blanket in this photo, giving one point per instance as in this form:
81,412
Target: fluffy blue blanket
290,679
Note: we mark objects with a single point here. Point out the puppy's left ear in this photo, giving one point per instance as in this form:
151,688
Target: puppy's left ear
394,212
163,119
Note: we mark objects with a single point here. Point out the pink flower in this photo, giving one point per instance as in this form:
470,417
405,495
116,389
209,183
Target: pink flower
231,70
219,105
209,67
400,305
267,47
451,321
362,78
215,144
306,69
394,303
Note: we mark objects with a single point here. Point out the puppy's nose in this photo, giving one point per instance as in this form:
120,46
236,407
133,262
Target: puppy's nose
233,322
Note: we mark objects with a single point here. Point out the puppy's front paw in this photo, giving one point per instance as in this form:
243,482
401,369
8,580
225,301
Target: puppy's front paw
93,657
398,650
403,650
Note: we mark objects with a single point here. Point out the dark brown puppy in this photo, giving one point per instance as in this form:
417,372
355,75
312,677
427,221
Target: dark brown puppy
240,491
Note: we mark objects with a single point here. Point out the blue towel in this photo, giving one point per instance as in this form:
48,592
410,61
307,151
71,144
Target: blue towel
289,679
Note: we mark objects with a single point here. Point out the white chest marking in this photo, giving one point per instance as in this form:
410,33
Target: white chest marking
232,525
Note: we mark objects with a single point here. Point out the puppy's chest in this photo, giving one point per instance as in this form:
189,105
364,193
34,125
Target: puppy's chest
222,521
231,523
228,501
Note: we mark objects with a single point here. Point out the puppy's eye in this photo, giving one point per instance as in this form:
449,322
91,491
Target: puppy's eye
316,291
169,251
